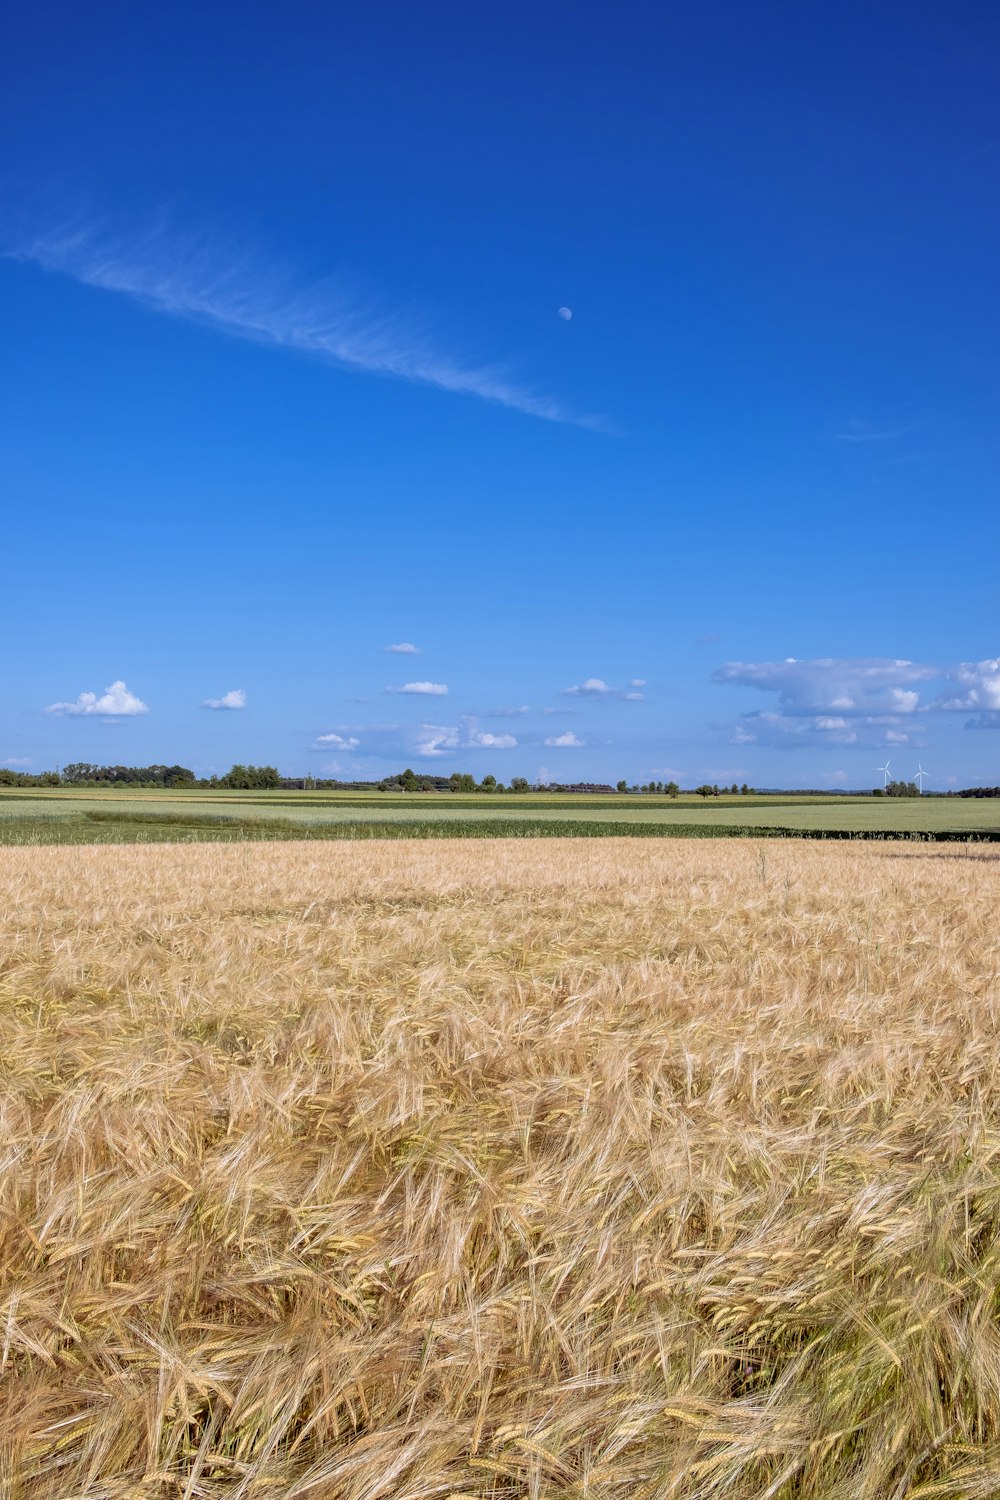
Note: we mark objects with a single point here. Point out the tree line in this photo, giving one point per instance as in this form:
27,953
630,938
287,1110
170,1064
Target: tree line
250,778
82,773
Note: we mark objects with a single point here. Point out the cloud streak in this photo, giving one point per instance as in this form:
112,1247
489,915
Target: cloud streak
860,432
422,689
200,282
596,687
430,741
779,730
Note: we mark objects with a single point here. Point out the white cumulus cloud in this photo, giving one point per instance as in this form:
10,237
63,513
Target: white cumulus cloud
335,741
488,741
436,739
861,700
428,689
862,685
235,698
979,687
567,741
404,648
18,760
116,702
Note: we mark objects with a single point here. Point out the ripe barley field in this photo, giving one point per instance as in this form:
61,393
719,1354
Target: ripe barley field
500,1169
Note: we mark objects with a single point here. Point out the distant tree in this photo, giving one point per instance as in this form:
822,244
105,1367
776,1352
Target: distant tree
519,784
744,790
705,790
622,786
408,781
250,778
488,784
673,789
734,790
178,776
80,771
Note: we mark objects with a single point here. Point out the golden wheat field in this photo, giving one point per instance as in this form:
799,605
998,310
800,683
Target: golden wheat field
549,1170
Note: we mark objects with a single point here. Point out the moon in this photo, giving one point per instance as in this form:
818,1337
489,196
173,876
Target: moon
566,313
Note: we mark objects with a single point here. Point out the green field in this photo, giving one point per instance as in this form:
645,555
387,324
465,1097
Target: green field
68,816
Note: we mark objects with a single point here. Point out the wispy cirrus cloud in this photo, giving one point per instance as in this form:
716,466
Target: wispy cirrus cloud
863,432
116,702
202,282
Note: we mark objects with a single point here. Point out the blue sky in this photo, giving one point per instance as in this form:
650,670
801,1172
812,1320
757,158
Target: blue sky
286,385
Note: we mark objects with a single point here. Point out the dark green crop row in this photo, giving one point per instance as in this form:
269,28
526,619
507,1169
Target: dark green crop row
112,827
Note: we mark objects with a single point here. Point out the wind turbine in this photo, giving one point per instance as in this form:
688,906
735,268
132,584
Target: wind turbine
885,772
919,777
